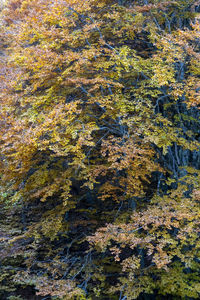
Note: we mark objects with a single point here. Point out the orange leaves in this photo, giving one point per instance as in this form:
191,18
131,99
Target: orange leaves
46,286
125,154
162,231
93,101
160,237
70,62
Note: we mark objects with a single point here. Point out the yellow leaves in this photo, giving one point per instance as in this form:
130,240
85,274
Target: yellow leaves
94,88
192,91
177,91
84,136
161,259
124,155
15,199
110,191
162,139
195,65
61,288
163,75
50,226
166,230
170,181
131,264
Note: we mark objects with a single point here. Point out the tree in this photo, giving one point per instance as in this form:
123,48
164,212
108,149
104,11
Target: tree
99,114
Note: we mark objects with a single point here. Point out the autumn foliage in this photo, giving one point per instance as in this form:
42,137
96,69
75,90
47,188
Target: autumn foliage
100,149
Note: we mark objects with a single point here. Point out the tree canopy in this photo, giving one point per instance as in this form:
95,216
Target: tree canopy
100,149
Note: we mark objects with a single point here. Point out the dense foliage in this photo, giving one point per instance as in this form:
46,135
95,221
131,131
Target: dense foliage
100,149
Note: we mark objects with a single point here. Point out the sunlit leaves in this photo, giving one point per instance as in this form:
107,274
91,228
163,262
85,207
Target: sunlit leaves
99,120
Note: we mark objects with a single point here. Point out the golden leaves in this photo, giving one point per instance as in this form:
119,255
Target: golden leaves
91,95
